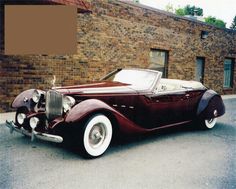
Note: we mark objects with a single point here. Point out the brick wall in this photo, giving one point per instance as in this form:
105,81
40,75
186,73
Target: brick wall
81,4
116,35
1,28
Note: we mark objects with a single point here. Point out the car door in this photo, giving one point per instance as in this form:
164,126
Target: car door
164,108
123,103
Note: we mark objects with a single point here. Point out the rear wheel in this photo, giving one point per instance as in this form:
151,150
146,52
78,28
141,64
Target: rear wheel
96,136
208,123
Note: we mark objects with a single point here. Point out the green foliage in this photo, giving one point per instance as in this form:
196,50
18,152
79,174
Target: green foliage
192,10
216,22
189,10
233,25
180,12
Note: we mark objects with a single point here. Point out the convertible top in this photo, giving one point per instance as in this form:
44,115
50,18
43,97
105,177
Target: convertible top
175,84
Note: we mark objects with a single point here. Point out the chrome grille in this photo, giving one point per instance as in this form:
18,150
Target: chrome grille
53,104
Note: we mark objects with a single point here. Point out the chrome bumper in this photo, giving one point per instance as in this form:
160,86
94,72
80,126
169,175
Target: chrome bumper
34,134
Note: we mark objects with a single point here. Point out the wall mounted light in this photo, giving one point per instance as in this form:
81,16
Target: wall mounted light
204,34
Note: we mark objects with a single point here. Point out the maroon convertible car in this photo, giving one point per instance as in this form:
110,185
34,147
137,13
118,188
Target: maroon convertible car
126,101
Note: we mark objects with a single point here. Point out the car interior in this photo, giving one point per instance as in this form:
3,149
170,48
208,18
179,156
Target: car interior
168,85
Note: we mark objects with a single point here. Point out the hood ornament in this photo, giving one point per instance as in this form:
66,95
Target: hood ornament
53,81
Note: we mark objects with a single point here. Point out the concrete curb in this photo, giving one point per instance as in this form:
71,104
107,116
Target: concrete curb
6,116
224,97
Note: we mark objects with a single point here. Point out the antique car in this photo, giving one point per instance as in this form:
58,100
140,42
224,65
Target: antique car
126,101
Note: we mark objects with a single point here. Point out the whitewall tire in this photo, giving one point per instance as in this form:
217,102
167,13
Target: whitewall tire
97,135
209,123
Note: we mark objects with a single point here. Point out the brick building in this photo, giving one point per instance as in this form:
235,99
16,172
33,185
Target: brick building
113,34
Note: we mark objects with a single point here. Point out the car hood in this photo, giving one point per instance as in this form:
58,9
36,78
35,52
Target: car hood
97,88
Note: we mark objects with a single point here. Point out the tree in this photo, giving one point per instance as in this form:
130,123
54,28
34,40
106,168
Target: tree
214,21
233,25
180,12
189,10
198,11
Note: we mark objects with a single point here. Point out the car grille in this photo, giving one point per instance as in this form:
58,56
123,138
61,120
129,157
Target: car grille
53,104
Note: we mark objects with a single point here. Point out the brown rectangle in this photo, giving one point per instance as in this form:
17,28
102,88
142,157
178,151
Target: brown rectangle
40,29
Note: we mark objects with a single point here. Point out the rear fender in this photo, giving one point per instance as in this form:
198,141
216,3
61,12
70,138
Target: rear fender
210,106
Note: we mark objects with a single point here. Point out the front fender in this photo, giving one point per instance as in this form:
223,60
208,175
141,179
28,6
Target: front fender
85,108
23,99
211,105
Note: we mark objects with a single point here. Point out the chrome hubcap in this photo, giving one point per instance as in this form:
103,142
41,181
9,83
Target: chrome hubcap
210,120
210,123
97,135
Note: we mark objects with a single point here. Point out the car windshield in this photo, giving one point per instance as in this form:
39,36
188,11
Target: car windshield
139,79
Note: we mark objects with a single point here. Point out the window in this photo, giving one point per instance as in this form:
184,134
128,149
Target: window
228,73
158,61
199,73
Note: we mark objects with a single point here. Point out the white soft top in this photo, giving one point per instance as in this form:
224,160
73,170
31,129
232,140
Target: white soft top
175,84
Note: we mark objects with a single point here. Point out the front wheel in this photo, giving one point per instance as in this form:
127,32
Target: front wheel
97,135
208,123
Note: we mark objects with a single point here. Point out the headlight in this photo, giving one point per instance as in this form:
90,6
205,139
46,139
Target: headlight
36,96
68,102
20,118
34,122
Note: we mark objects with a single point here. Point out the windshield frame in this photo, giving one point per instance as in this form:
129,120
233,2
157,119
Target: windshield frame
151,87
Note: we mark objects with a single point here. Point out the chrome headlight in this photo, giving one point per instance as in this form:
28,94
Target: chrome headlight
36,96
34,122
68,102
21,118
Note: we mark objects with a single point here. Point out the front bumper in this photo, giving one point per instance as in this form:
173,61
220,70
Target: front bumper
34,134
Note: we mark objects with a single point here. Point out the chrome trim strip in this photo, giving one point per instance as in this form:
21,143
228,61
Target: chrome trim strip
34,134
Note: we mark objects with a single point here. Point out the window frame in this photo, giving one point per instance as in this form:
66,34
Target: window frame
165,73
231,73
203,67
